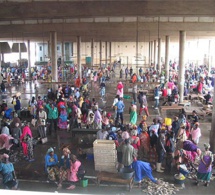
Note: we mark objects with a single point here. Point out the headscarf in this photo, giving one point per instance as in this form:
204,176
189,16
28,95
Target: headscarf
125,135
120,86
50,150
26,130
207,146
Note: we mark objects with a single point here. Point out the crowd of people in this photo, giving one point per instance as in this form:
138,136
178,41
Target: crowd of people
142,146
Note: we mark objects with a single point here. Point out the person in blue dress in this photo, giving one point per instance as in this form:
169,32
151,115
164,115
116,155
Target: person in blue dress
8,173
142,170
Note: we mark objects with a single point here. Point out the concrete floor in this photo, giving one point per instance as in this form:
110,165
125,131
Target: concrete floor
32,176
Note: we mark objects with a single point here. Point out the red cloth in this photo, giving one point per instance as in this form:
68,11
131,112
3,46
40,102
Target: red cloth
164,92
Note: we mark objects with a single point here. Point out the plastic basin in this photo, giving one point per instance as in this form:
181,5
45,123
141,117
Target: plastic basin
126,173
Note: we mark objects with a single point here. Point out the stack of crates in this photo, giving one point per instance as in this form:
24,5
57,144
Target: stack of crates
105,155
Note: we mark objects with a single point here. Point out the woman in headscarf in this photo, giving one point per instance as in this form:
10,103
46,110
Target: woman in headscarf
205,167
62,122
64,166
78,82
8,173
144,143
33,107
120,89
73,172
196,133
27,144
133,114
51,165
135,141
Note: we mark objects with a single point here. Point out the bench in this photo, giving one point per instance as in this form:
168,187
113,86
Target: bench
114,177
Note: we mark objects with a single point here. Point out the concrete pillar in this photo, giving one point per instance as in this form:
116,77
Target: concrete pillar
159,55
79,56
29,60
0,57
209,57
182,40
92,53
110,52
152,45
155,48
20,53
49,47
106,53
212,131
63,54
167,57
54,55
100,53
149,60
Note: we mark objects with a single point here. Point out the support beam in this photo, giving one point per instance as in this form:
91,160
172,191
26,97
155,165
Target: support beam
212,131
152,54
20,52
159,55
79,57
149,60
100,53
29,60
167,57
53,35
63,54
110,52
155,49
182,40
106,53
92,53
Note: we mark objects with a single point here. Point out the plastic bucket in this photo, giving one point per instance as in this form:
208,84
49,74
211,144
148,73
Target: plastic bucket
84,183
126,173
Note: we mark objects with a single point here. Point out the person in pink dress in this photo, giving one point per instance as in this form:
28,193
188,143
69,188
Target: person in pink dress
196,133
73,171
120,89
23,139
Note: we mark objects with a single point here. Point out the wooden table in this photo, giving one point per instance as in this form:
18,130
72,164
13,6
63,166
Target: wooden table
189,111
114,177
75,131
173,107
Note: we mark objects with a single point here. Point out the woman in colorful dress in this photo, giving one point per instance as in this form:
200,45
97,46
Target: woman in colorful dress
64,166
62,122
51,165
27,144
133,114
205,167
144,144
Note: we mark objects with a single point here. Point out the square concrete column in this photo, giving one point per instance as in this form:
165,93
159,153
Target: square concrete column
79,56
212,130
159,55
182,41
106,53
100,53
29,60
92,53
110,52
149,60
152,50
63,53
155,53
167,58
20,52
53,36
